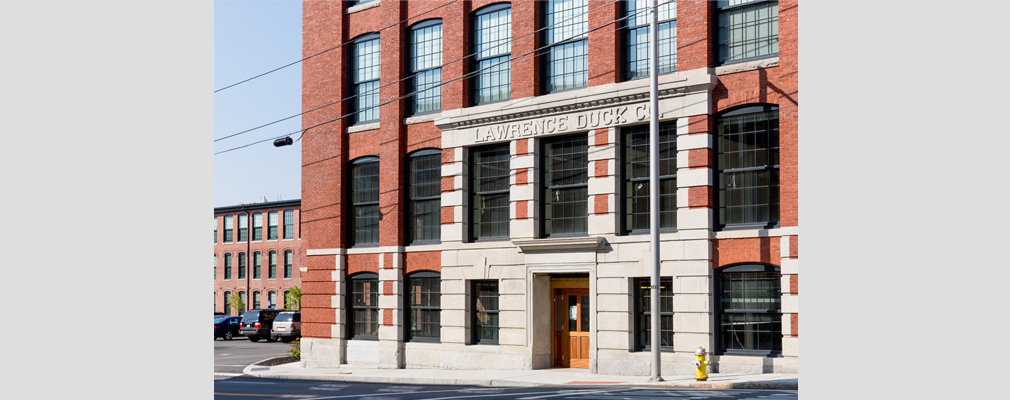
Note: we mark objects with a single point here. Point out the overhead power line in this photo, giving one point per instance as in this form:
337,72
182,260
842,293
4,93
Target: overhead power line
467,75
329,49
413,75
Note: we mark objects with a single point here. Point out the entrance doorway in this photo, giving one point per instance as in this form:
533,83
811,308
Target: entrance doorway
570,315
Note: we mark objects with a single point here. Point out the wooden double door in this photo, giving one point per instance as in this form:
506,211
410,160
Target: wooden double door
570,315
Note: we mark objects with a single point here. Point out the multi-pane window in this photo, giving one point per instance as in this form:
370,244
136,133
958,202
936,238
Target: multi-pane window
490,192
215,267
272,299
227,266
257,226
565,63
492,48
485,312
287,264
272,225
356,2
227,228
289,224
272,265
241,265
256,300
365,79
747,29
227,303
643,312
215,230
243,227
750,309
363,320
566,185
256,265
365,201
747,165
424,305
284,299
425,65
636,177
424,192
636,60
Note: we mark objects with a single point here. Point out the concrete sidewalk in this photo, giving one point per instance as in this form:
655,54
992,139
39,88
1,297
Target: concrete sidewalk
537,377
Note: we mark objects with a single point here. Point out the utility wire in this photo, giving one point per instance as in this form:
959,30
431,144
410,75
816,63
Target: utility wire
332,48
509,42
467,75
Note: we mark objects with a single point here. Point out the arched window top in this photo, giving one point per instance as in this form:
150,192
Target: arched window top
749,267
365,160
365,37
424,274
492,8
364,276
425,152
747,109
426,23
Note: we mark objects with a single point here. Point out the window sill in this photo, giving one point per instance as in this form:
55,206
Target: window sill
750,353
741,66
363,7
417,119
555,244
363,127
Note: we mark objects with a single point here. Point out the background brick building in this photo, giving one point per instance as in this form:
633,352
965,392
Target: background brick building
540,203
257,250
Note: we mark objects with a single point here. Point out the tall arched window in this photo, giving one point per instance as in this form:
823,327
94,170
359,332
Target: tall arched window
227,303
365,71
747,165
288,264
256,300
424,306
749,310
365,201
424,193
257,264
272,265
363,306
257,226
241,266
492,48
424,63
227,266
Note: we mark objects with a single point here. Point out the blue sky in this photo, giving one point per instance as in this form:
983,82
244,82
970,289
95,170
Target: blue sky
250,38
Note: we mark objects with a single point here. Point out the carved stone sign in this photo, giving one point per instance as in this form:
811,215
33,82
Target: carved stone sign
593,119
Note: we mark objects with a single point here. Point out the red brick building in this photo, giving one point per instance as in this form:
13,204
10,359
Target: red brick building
257,250
475,192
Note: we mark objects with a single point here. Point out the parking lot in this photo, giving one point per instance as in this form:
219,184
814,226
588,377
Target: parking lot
231,356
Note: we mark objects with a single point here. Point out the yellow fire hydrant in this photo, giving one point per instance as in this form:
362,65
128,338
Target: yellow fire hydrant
700,365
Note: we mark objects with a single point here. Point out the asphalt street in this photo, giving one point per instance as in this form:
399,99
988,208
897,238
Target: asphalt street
231,356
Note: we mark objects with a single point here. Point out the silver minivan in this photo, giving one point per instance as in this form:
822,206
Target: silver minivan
287,326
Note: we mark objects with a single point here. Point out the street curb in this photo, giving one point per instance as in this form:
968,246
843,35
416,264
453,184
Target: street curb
733,385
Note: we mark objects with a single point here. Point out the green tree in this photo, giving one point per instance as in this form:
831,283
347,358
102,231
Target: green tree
293,300
236,304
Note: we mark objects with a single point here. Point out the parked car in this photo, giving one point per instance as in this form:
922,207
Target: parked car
288,326
226,327
256,324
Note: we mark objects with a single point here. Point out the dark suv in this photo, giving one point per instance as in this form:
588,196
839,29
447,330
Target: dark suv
256,324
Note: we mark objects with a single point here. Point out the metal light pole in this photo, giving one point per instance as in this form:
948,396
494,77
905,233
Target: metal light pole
654,188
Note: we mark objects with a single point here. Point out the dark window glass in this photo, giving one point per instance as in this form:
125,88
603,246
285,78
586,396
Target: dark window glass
215,230
565,62
243,227
256,300
566,185
747,164
424,305
227,303
258,226
365,79
747,29
272,223
485,316
241,265
636,177
425,196
227,266
750,309
256,265
636,58
215,269
425,64
490,188
272,299
272,265
284,299
289,224
643,322
227,228
492,48
287,264
365,201
356,2
364,307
